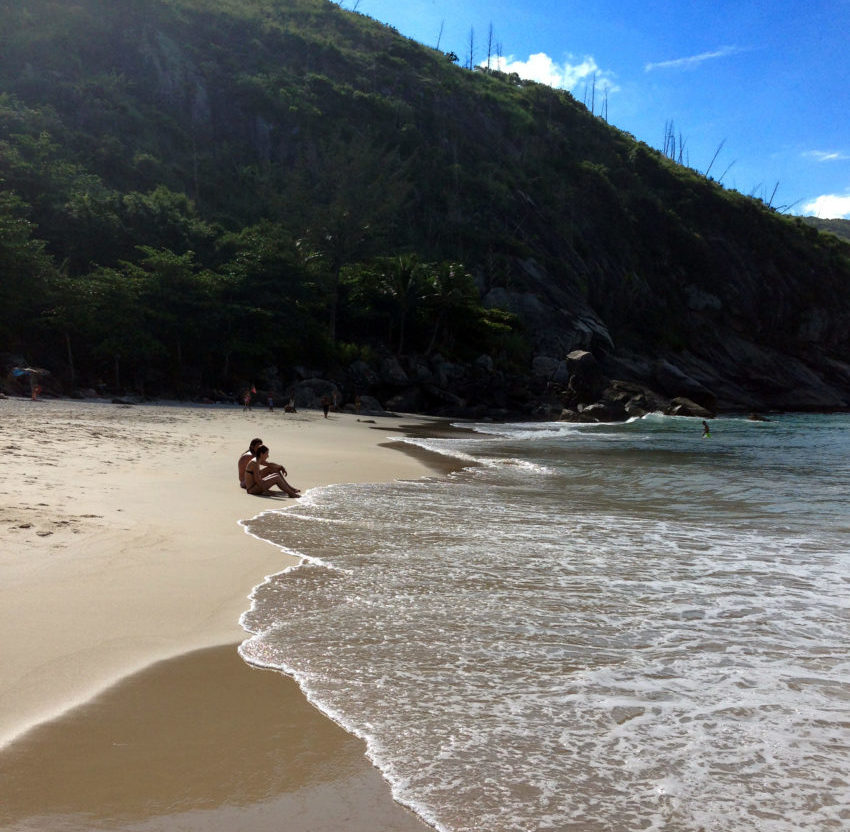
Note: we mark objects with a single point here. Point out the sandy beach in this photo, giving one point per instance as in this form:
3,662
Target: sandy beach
123,573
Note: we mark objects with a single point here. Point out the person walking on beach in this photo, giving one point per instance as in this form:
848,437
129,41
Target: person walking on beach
326,405
259,481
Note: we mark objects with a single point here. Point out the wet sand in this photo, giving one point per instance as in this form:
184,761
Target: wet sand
200,742
123,573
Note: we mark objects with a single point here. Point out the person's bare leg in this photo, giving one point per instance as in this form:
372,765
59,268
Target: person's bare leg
286,487
273,469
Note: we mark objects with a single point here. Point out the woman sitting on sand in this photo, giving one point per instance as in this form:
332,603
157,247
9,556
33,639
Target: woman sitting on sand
246,457
258,480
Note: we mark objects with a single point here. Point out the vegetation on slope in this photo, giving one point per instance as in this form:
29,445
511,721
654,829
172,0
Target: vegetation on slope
193,190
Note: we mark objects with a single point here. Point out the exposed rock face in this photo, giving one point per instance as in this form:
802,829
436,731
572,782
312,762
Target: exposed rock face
760,340
393,373
674,382
681,406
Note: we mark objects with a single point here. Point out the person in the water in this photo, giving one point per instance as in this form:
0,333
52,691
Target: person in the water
706,431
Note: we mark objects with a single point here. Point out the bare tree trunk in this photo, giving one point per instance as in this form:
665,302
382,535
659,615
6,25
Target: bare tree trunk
489,46
775,189
714,158
73,374
334,303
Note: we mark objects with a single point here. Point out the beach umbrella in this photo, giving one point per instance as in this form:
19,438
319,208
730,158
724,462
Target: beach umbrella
29,371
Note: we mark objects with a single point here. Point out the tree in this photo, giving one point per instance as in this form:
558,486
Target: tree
394,285
352,195
449,292
27,274
270,306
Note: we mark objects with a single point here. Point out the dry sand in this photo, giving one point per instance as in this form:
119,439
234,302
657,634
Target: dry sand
120,550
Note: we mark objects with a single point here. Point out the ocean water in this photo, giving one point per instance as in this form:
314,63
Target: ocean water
608,627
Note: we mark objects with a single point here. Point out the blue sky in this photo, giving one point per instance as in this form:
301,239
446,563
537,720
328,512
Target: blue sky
769,80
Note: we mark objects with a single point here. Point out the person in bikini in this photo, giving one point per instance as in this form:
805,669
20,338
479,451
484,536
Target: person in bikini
261,475
246,457
269,468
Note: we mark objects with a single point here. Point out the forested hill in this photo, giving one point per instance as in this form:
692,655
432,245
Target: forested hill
201,194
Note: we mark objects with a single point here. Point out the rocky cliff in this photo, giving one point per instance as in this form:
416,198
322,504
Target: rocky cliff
290,112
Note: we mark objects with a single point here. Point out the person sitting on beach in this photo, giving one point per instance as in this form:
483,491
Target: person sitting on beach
246,457
261,475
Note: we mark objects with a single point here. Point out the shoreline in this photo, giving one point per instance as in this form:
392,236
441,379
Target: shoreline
244,750
138,558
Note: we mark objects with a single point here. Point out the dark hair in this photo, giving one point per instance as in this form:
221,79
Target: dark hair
254,442
260,451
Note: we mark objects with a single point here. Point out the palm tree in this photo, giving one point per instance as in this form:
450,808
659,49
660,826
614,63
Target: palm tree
449,289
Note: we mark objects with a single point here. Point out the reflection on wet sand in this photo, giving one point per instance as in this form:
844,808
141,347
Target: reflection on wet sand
202,742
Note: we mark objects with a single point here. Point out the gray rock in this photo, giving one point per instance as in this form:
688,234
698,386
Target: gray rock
444,396
699,300
587,382
370,406
419,371
362,376
447,374
408,401
544,366
309,393
561,376
672,381
484,364
681,406
392,372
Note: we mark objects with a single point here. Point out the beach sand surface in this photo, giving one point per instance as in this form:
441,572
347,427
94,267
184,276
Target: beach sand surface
123,573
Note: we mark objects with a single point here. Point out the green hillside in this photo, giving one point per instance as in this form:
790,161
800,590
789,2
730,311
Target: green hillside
841,228
195,191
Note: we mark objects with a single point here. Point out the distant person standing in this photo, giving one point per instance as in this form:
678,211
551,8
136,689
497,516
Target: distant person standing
326,405
706,430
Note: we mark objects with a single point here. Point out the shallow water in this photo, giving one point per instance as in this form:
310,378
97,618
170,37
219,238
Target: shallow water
587,627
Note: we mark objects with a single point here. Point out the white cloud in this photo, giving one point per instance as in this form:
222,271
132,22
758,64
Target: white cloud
567,75
694,60
829,207
826,155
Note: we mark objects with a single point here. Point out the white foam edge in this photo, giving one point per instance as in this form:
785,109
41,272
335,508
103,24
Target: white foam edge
372,747
373,753
304,559
475,461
